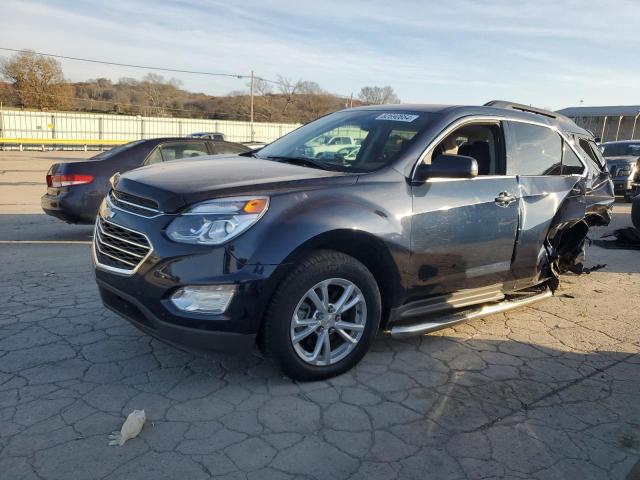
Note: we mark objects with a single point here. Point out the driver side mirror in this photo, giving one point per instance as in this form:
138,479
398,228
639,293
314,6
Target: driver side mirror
447,166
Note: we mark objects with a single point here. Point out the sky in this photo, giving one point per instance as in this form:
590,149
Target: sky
548,53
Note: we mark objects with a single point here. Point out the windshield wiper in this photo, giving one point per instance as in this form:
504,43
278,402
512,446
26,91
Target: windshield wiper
310,162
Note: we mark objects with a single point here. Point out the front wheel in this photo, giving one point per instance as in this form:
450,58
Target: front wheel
323,317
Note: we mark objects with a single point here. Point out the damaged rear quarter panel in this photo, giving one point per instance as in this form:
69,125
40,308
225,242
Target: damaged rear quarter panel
546,203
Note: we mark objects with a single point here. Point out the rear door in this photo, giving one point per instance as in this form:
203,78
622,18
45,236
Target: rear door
463,230
551,187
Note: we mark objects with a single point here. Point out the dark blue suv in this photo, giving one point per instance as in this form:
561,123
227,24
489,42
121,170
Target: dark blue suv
444,213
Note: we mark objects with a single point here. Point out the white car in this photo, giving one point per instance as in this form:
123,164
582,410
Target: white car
320,145
346,154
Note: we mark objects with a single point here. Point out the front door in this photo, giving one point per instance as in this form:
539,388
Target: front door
463,230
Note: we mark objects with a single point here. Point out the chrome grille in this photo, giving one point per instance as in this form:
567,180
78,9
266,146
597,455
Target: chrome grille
119,248
134,204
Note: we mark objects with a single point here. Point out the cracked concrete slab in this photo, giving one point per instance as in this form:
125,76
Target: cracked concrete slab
549,391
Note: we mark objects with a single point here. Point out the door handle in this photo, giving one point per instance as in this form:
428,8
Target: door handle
504,199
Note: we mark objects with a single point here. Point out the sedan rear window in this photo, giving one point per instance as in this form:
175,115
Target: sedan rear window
116,150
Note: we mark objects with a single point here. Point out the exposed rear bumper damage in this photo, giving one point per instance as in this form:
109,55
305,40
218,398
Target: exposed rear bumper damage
568,234
566,249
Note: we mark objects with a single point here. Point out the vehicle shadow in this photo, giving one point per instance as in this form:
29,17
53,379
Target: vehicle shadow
41,228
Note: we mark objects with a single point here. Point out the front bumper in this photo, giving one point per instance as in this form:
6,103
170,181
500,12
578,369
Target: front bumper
144,319
622,186
142,295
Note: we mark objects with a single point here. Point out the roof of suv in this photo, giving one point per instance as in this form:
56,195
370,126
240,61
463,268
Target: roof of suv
491,108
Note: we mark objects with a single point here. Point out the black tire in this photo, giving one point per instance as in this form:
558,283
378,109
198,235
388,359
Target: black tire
635,211
275,340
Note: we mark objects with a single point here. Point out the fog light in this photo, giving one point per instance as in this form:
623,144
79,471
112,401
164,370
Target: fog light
203,298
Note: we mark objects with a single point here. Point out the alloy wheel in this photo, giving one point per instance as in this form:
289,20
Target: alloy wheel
328,322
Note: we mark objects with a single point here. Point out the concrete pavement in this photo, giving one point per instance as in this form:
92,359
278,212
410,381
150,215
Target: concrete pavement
551,391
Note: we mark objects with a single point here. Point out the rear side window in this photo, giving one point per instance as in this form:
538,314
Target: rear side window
155,157
175,151
533,150
571,164
219,148
593,152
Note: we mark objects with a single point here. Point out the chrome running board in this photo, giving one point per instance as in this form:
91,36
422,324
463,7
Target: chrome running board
447,320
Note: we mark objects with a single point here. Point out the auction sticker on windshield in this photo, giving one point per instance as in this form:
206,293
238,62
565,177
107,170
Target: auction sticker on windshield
397,117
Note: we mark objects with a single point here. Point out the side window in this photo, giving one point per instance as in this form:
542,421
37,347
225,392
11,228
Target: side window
177,150
155,157
480,141
571,164
533,150
593,152
226,147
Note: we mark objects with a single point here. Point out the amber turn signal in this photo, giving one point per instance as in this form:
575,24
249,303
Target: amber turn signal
255,206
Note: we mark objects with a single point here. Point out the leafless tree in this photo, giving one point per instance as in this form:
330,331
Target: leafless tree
159,92
282,101
287,90
378,95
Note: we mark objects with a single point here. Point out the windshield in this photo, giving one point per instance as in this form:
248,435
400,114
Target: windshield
355,140
621,149
115,150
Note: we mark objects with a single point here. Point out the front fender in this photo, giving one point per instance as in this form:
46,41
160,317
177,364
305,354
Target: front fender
296,218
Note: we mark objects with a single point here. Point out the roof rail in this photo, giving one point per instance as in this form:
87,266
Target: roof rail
522,108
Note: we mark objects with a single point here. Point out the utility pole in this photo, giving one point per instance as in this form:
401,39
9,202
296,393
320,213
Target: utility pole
251,121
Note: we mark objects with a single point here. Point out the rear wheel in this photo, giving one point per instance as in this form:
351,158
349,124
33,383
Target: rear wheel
323,317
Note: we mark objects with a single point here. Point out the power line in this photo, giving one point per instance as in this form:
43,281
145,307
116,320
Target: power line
238,76
145,67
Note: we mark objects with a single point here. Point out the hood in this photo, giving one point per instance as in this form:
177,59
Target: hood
176,184
628,159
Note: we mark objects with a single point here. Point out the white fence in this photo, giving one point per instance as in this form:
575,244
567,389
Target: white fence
67,126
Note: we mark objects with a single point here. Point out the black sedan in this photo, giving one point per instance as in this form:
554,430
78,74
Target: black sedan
75,189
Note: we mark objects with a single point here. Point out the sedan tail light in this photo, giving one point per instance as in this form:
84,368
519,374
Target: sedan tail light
68,180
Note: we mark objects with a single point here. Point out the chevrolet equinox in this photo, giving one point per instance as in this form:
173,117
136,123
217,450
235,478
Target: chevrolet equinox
443,214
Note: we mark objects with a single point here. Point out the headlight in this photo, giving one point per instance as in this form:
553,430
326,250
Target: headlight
217,221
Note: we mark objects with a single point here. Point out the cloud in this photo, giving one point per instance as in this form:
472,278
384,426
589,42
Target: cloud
545,52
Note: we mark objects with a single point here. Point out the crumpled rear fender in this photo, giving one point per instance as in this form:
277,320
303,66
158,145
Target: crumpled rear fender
547,206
